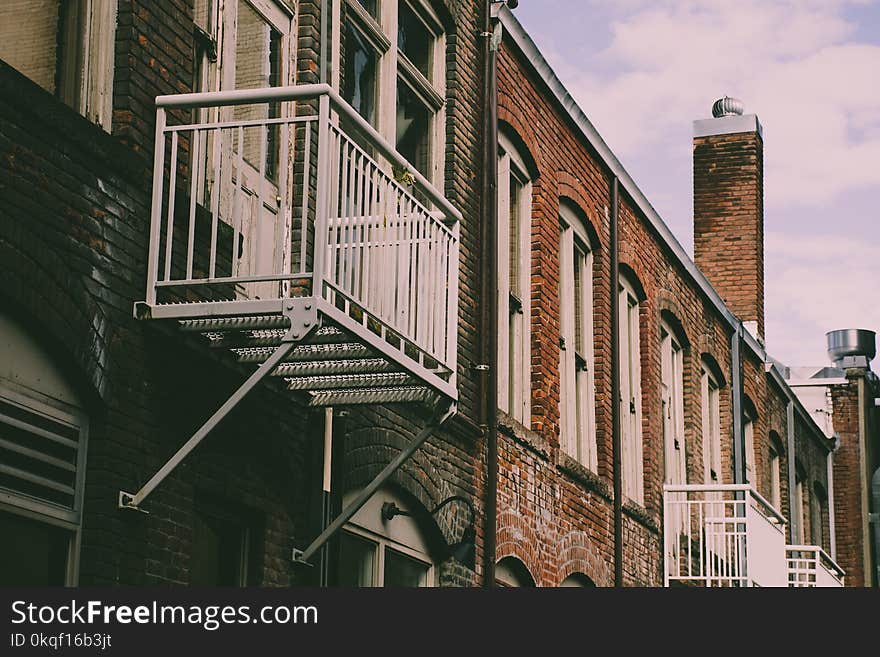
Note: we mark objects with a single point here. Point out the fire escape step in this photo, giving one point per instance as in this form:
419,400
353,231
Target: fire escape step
331,367
308,352
395,395
349,381
243,323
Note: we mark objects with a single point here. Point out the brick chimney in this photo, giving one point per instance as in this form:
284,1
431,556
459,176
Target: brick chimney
729,209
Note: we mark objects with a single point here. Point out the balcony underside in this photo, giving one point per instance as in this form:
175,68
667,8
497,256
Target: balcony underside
342,358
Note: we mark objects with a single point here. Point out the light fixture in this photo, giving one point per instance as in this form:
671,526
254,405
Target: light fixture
464,550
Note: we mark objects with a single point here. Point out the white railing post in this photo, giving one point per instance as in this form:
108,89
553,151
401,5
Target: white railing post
156,209
322,202
452,305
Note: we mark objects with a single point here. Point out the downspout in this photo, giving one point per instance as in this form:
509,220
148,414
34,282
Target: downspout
832,533
794,513
739,471
488,366
615,387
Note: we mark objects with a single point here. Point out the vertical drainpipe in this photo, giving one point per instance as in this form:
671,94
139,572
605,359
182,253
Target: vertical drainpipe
488,367
793,512
615,387
737,389
832,533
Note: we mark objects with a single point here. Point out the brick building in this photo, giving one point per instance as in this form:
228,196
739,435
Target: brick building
299,250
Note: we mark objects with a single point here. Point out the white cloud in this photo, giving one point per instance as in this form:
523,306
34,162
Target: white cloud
789,60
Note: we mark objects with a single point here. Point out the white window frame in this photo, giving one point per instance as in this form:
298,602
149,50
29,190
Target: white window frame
514,313
799,510
400,534
775,478
751,472
672,392
94,63
394,68
710,401
630,368
577,395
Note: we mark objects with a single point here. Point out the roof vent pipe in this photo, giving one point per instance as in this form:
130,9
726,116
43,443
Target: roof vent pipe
851,347
727,106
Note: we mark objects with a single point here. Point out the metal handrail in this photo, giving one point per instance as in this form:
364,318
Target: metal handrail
306,92
823,556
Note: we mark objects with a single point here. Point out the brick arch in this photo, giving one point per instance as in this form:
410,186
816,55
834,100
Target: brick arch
58,309
523,132
571,187
578,554
669,310
370,449
517,538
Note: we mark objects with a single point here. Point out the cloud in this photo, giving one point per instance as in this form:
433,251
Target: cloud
791,62
818,283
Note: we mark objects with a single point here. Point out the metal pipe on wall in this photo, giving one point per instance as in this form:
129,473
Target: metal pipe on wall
488,366
736,384
793,513
617,475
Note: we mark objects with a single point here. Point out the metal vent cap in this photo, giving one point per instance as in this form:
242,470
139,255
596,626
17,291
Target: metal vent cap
851,343
727,106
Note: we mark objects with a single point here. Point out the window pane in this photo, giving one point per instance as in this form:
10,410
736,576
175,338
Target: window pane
401,570
32,553
515,200
218,552
579,337
413,124
257,65
29,39
357,558
414,39
360,74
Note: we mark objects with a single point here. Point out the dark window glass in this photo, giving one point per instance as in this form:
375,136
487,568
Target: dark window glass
356,561
401,570
32,553
219,555
413,122
359,74
372,7
414,39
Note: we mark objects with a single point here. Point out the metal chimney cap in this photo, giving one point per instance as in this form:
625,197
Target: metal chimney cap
856,343
727,106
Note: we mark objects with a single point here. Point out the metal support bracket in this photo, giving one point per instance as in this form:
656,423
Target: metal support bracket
303,316
301,557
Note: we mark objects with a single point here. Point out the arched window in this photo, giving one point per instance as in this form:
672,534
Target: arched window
672,391
511,572
776,452
711,418
514,275
577,580
378,552
393,74
43,432
577,395
630,392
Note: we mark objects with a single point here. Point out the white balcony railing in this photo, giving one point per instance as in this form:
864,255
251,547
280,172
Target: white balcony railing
810,566
722,535
262,195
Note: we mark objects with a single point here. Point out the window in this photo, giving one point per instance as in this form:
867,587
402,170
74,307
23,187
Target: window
749,417
630,392
711,414
43,433
672,392
224,548
514,241
577,422
800,507
378,552
393,75
66,47
510,572
775,475
818,510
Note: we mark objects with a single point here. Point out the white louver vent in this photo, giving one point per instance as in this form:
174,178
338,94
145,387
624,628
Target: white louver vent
38,456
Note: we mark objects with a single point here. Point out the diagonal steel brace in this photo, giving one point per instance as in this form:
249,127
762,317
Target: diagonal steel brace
302,557
302,320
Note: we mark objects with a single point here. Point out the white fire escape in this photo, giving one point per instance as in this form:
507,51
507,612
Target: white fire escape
311,250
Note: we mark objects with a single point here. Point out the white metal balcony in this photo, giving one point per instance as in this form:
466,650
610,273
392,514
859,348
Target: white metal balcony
810,566
722,535
271,223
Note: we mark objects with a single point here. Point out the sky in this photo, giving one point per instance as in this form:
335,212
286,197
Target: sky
644,70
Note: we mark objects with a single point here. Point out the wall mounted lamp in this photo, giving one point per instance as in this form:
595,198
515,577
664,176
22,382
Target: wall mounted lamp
464,550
